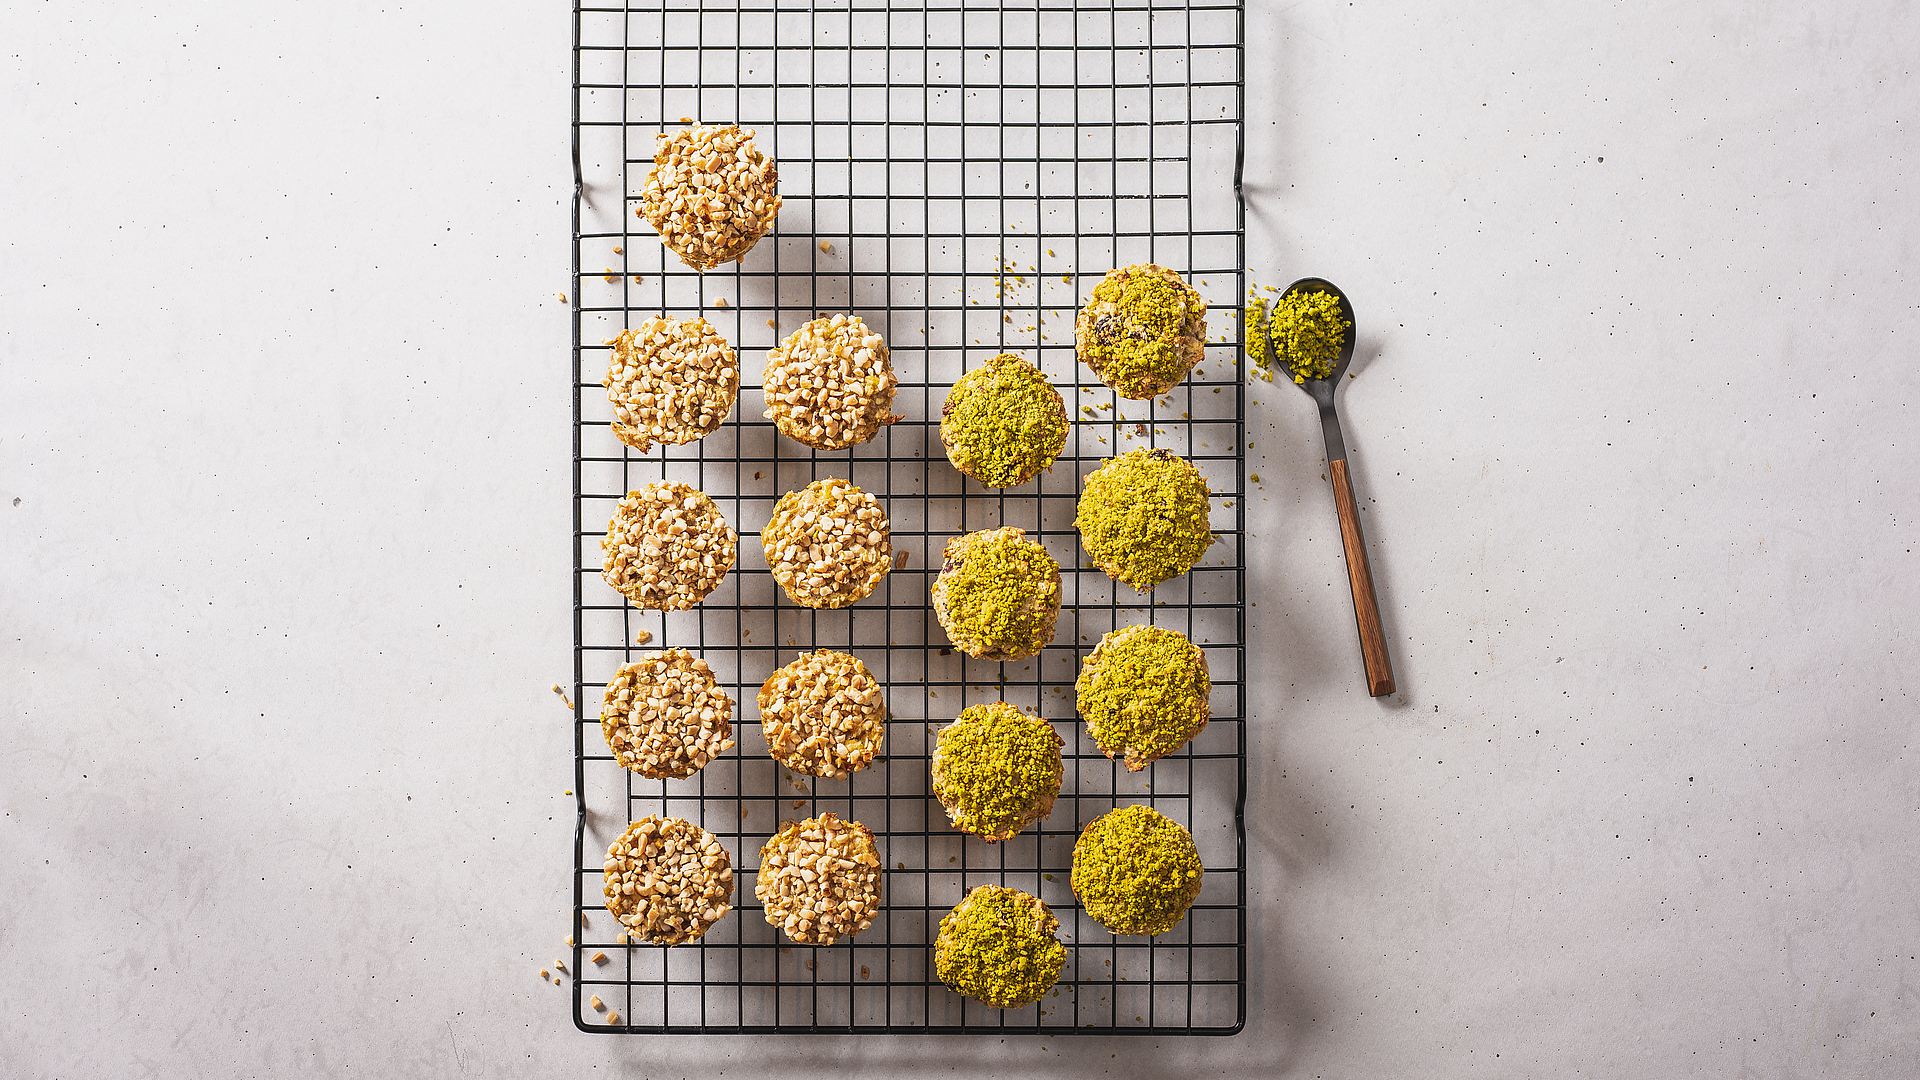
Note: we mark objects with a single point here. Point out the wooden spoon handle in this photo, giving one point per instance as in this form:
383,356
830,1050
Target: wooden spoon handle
1366,609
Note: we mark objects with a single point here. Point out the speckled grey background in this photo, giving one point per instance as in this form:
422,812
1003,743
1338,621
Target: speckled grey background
284,481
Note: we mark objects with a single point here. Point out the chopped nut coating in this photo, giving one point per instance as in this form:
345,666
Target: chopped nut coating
667,880
667,546
823,715
830,383
828,544
819,880
671,381
711,193
664,716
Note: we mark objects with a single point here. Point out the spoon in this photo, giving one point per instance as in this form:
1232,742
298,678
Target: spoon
1366,607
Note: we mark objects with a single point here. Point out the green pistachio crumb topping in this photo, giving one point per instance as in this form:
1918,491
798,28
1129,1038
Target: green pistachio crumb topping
1143,517
998,594
996,769
1003,422
1143,693
1142,330
1306,330
998,947
1136,871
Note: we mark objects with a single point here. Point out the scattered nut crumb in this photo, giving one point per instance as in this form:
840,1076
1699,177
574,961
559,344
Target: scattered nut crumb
559,964
545,974
864,973
826,247
636,279
597,1004
599,958
758,475
771,325
613,1018
686,119
569,936
643,637
721,302
609,276
556,980
616,249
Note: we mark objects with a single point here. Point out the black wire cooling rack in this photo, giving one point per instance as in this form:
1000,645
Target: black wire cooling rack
960,175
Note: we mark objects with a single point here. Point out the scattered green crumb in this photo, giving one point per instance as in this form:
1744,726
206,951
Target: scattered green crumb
1136,871
1143,693
1143,517
998,947
1142,330
1003,422
1255,477
996,770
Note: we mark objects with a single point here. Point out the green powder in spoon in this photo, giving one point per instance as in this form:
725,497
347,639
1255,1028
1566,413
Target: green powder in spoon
1306,330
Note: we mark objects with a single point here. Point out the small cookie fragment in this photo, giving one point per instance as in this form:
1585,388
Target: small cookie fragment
711,193
998,946
596,1003
664,716
667,546
823,715
997,594
819,880
613,1017
1143,517
667,880
830,383
1003,422
1143,693
828,544
671,380
1136,871
1142,330
996,770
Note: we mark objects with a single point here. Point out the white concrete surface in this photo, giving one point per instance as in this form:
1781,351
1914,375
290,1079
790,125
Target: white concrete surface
283,554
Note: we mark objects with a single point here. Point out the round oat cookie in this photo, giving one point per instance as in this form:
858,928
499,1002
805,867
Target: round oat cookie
1143,693
998,594
711,193
996,770
823,715
671,380
667,880
1143,517
667,546
664,717
1142,330
828,544
1136,871
830,383
1003,422
998,947
819,880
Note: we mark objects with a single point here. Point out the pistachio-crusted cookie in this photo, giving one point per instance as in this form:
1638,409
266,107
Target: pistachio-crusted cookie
998,594
1143,517
830,383
667,546
664,717
1143,693
823,715
673,380
1136,870
711,193
996,770
829,543
998,947
1003,422
1142,330
819,880
667,880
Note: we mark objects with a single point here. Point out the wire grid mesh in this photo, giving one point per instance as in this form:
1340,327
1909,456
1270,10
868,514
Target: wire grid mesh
972,171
